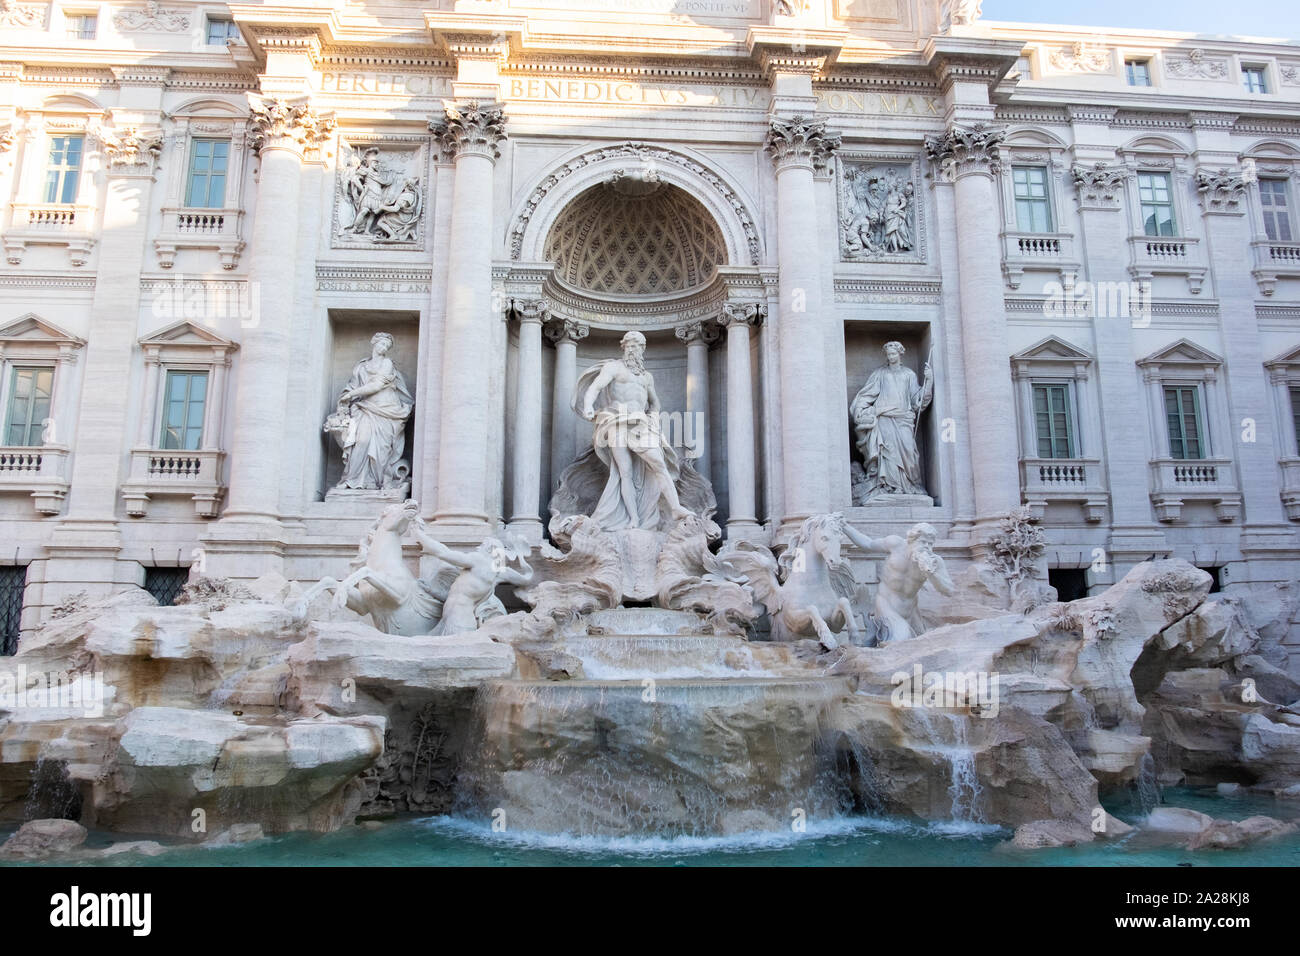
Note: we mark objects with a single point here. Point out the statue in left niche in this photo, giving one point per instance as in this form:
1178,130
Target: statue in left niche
369,425
458,598
385,201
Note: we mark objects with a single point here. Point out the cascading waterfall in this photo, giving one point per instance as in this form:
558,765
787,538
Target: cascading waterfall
52,795
950,742
1146,788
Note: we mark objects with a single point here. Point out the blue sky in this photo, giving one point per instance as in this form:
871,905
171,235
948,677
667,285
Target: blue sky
1260,18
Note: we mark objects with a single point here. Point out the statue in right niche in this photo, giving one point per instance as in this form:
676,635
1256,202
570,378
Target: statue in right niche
885,413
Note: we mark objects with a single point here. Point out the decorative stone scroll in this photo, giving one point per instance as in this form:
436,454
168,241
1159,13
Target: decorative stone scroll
475,128
1197,66
962,150
1080,58
22,15
152,19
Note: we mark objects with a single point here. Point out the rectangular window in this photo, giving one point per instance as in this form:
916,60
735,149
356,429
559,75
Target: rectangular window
80,26
63,170
219,31
1295,412
1277,214
13,581
1253,79
1157,198
1137,72
207,184
183,401
1033,207
1183,411
1053,421
28,407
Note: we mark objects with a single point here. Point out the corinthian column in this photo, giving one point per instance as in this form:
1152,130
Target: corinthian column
284,130
472,134
737,318
796,146
527,461
566,334
695,428
969,158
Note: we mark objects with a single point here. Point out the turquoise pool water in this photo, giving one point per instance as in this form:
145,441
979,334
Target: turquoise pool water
449,841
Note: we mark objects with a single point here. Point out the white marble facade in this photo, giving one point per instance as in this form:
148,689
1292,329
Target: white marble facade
768,192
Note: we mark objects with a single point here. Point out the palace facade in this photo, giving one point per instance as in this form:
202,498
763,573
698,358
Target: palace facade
1091,239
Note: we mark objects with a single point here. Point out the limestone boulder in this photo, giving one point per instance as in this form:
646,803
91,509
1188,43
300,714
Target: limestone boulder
41,839
279,774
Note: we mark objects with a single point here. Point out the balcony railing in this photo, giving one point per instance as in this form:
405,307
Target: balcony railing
165,472
1068,480
40,471
1175,481
1291,487
1048,251
1275,260
58,224
1168,255
184,228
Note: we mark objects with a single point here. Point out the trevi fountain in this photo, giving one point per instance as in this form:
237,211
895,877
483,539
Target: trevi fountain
634,685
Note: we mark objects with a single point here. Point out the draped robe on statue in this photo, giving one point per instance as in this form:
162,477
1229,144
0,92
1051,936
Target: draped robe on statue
896,399
376,435
616,424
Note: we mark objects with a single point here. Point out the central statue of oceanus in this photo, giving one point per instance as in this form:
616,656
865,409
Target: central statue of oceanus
618,397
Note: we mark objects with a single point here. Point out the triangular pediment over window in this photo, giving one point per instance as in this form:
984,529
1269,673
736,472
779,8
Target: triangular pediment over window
187,334
1182,352
1289,359
31,329
1052,349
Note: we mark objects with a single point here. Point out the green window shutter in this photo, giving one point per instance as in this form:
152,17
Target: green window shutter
184,398
30,392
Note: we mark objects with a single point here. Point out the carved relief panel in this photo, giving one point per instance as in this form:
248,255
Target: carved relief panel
381,192
880,209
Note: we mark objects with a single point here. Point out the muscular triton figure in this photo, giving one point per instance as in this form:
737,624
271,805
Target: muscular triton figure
908,565
618,397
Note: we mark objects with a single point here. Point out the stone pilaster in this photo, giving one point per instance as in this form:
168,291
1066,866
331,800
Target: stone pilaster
970,158
797,145
472,135
565,334
698,336
1251,439
527,452
737,318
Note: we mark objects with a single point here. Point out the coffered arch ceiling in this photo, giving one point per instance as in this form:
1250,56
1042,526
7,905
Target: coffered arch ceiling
635,238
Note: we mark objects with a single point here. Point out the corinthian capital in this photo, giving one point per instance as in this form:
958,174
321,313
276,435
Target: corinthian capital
961,150
801,141
293,123
1222,190
474,129
131,149
1100,185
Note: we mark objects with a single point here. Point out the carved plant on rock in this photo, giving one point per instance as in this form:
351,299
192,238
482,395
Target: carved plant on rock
1016,549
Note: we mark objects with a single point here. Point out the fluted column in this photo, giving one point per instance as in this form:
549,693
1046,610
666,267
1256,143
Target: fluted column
472,134
796,145
284,130
566,334
527,460
695,427
737,318
969,158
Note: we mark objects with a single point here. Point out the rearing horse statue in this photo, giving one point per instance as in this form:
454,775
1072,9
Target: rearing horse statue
808,593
